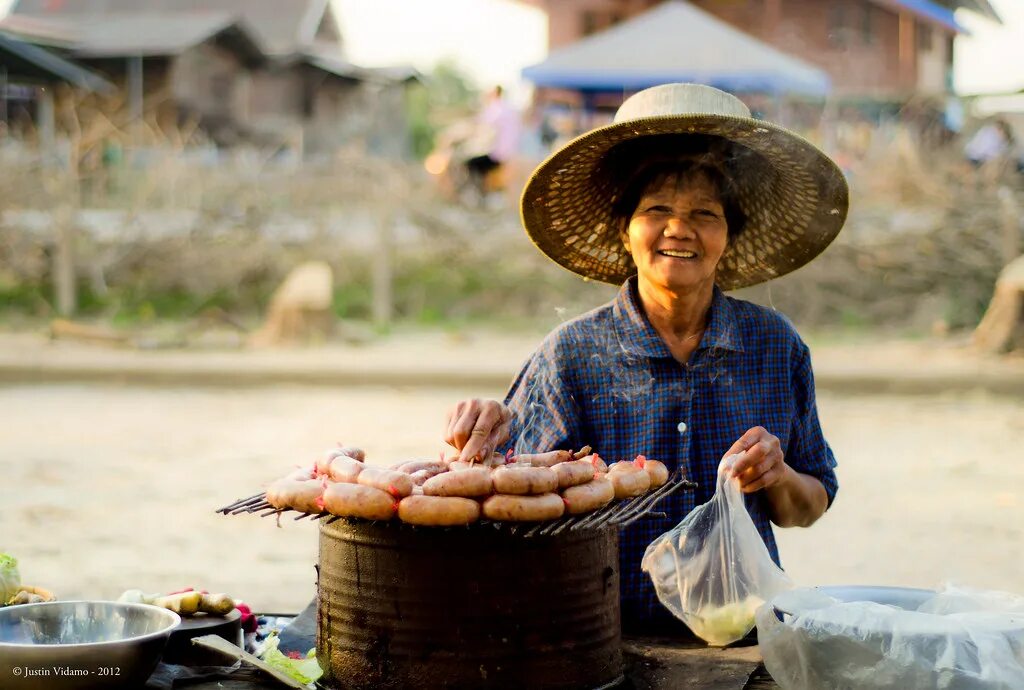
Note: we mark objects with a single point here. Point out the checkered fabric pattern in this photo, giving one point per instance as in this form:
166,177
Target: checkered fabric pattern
606,379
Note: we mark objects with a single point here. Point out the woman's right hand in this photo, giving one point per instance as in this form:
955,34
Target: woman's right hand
477,427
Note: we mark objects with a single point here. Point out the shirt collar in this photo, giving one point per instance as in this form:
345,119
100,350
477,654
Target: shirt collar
637,336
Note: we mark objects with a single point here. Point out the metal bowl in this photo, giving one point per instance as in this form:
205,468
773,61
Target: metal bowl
79,645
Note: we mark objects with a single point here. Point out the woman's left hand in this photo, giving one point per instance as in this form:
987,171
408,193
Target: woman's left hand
762,464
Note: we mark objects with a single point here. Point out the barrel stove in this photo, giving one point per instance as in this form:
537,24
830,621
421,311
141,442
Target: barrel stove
470,607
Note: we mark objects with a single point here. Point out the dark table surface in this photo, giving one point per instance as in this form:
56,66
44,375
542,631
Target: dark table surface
675,660
651,664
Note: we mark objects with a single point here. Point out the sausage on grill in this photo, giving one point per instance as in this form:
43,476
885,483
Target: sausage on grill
524,508
469,483
438,511
300,495
356,500
584,498
548,459
574,473
524,479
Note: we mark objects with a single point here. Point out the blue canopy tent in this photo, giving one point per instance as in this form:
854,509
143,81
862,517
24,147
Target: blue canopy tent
677,42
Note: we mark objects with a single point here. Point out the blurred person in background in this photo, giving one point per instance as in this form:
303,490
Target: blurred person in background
498,129
681,198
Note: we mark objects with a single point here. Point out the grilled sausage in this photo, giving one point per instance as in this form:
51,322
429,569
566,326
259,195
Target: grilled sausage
342,468
595,460
629,483
574,473
438,511
544,459
469,483
355,500
413,466
296,495
350,452
524,479
657,471
584,498
459,465
524,508
420,476
398,484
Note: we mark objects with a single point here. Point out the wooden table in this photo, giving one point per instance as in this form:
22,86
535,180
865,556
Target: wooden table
651,664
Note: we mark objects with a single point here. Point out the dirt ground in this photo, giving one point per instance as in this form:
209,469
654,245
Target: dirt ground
107,488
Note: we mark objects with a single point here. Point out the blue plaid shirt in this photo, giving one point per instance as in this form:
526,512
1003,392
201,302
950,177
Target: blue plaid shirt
606,379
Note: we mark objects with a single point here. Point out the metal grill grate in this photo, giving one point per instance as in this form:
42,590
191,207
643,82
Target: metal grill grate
618,513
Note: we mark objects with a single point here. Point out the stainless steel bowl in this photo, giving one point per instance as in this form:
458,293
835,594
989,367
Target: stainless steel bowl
79,645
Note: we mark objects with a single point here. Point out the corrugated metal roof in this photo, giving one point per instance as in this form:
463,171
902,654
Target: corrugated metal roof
332,63
280,26
146,35
23,61
673,42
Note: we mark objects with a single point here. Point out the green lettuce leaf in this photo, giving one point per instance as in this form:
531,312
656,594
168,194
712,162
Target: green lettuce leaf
305,669
10,579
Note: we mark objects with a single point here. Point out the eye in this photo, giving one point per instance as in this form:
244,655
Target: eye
707,213
657,208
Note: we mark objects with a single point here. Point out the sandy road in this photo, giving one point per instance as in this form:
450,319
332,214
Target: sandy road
103,489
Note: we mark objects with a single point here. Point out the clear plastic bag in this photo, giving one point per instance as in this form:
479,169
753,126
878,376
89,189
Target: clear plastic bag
712,570
957,639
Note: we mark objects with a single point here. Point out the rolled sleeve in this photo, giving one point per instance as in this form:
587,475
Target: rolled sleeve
809,452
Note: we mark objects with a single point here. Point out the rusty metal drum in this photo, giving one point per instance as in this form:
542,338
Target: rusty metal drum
469,607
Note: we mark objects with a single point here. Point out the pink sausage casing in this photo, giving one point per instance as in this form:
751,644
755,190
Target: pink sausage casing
438,511
301,495
544,459
356,500
398,484
629,484
584,498
468,483
524,479
503,508
574,473
344,469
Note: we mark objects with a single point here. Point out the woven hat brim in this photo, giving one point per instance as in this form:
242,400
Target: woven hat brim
794,196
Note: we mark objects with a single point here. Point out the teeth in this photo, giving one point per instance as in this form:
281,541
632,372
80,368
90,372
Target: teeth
681,255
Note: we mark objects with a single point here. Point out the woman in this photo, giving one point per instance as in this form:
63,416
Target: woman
682,197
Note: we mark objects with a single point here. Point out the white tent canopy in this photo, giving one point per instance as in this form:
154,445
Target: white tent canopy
677,42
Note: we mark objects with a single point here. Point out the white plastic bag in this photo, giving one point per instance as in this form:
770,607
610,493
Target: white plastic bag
956,640
712,570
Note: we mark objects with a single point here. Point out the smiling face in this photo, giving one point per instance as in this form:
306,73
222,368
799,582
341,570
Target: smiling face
678,231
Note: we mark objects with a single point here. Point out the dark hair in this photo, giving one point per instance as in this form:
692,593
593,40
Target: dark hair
636,166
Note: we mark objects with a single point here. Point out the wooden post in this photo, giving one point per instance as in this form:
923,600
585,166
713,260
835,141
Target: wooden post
65,210
45,124
3,97
65,216
773,18
907,51
136,101
383,269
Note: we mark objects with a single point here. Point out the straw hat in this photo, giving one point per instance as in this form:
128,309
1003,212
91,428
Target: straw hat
794,196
